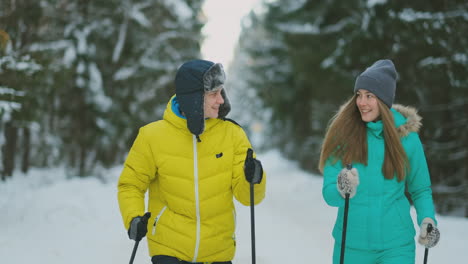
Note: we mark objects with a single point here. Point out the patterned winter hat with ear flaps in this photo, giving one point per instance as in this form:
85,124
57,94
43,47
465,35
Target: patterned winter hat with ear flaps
379,79
192,80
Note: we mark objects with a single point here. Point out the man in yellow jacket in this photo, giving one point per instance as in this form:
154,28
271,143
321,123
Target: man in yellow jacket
192,163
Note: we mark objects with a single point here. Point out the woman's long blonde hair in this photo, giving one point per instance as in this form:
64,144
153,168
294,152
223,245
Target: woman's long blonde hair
346,140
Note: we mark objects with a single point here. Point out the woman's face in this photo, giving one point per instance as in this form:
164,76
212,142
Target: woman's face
212,102
367,104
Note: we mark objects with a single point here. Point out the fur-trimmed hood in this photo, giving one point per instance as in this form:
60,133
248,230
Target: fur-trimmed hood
413,120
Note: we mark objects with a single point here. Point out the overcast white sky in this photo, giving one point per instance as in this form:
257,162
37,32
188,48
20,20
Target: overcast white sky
223,27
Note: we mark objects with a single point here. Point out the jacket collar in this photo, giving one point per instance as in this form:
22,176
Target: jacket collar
406,120
174,116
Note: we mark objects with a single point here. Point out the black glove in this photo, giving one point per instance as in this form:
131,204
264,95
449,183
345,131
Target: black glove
139,227
252,168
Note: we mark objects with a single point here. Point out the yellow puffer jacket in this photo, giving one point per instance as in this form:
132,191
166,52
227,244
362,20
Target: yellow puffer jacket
191,187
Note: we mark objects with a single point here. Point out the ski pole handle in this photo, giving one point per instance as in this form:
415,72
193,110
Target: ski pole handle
249,154
146,216
429,228
349,166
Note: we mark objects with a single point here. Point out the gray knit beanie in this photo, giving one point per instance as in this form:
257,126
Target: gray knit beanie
379,79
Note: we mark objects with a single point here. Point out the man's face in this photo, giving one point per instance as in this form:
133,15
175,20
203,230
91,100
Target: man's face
213,100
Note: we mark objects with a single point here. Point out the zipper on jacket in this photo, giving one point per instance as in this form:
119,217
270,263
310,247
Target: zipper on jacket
157,219
235,226
197,204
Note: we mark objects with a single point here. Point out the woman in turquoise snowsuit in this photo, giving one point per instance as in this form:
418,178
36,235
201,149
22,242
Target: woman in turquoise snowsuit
381,143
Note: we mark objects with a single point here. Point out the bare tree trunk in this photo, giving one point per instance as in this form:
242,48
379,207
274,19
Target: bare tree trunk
26,149
9,149
82,160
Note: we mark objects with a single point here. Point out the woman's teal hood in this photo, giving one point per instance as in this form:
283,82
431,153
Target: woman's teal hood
406,120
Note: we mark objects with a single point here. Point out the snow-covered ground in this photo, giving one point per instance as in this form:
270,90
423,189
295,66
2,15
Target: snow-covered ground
46,218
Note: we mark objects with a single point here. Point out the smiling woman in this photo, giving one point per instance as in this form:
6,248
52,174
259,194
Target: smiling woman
223,27
368,105
371,168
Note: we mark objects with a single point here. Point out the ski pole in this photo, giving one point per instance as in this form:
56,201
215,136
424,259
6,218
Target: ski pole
252,220
135,247
426,251
257,172
345,222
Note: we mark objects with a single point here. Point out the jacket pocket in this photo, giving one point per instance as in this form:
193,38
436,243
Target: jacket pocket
403,208
153,232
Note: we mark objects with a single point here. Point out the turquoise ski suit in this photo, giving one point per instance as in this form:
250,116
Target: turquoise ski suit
379,220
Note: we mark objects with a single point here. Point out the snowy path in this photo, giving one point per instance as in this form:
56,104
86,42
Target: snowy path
293,223
77,221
